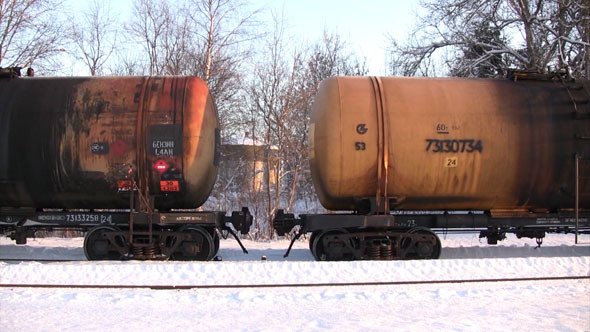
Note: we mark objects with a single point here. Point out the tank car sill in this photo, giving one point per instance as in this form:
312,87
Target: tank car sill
285,222
531,225
19,226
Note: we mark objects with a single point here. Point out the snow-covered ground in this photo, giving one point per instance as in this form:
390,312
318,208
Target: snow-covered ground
559,305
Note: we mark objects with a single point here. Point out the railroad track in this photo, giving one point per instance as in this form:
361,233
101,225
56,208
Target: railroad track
343,284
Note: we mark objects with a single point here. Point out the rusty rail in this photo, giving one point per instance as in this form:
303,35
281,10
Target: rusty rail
327,284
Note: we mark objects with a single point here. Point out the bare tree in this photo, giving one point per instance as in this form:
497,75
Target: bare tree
270,106
464,36
281,95
221,24
178,46
31,33
222,29
128,64
328,57
206,38
95,36
152,21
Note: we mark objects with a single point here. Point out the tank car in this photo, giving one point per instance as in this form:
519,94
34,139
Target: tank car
407,153
123,157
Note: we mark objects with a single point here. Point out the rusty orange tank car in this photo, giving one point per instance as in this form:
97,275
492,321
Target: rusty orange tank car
127,159
409,156
451,144
72,142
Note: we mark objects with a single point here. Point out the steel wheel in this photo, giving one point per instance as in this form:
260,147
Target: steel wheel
312,238
319,252
99,245
425,248
216,241
197,244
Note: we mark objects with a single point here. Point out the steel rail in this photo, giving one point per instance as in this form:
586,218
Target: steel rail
338,284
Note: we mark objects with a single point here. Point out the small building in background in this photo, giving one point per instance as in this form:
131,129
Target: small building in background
242,166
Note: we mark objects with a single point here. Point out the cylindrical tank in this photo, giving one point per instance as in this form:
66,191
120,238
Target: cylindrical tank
78,142
449,144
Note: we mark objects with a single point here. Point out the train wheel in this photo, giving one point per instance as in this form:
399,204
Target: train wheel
427,247
334,250
197,244
99,245
312,238
216,241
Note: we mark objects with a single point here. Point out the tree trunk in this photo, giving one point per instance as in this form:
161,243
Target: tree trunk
293,193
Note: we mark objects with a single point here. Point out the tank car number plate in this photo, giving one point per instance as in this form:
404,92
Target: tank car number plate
169,186
454,145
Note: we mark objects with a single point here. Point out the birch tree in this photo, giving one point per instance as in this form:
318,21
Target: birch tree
222,30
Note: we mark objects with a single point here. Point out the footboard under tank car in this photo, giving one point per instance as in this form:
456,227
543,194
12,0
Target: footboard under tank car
127,159
411,156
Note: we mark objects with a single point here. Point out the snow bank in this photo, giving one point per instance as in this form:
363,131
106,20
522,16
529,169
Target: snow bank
559,305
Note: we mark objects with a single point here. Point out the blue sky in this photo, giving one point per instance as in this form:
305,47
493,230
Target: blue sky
363,24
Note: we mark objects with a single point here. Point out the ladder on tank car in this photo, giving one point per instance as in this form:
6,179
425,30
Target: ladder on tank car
582,181
141,212
580,97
